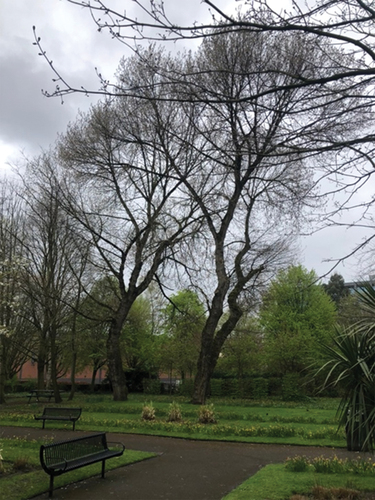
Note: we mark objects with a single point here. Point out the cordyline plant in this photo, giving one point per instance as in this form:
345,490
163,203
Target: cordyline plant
350,365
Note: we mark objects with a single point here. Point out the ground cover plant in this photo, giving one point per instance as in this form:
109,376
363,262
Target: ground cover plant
311,422
308,422
21,475
300,478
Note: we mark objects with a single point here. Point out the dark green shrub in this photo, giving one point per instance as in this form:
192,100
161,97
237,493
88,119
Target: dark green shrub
275,386
30,385
245,388
229,388
259,388
186,388
215,386
292,389
151,386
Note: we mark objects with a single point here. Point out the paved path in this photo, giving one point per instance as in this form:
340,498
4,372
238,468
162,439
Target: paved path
183,470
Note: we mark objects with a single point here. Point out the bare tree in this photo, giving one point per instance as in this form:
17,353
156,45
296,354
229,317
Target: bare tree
339,28
119,188
15,339
271,115
52,266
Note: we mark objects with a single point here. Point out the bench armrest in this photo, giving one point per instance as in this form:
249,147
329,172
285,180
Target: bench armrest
117,444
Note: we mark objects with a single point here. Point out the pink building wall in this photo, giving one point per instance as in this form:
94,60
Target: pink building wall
29,372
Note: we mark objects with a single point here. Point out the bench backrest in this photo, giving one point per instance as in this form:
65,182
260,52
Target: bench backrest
57,453
62,412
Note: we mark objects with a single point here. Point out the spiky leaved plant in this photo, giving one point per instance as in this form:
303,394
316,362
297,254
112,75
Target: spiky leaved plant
350,364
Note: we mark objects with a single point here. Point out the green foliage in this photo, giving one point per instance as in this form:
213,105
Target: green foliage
297,464
184,318
139,347
262,484
148,412
241,353
269,421
186,388
297,315
259,388
151,386
349,311
22,486
206,414
174,412
292,389
334,465
350,364
336,288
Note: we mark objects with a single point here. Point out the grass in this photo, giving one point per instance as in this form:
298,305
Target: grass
311,422
24,478
261,486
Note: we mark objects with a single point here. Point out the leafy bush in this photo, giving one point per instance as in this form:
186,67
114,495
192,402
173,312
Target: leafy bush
229,388
148,412
291,387
206,414
174,413
151,386
260,388
186,388
245,388
215,387
297,464
275,386
332,465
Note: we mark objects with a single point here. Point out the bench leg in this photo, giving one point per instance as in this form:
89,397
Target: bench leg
74,425
50,486
43,424
103,468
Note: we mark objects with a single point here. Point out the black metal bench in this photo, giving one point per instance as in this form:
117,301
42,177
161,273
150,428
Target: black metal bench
36,393
67,414
64,456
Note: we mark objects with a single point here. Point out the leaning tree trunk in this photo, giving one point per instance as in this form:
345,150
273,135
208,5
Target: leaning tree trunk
93,377
205,368
210,350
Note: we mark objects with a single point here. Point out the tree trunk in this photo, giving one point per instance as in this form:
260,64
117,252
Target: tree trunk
93,377
206,366
73,377
115,370
41,363
2,369
55,385
210,349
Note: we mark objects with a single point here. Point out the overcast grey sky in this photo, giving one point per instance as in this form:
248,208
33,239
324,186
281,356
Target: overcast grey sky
30,122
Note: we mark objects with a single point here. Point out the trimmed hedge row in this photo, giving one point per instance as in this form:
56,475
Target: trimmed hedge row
256,388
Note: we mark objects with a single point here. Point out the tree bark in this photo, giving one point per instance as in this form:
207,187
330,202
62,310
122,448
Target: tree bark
73,377
115,370
2,369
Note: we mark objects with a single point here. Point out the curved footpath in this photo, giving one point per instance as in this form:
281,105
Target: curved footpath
183,470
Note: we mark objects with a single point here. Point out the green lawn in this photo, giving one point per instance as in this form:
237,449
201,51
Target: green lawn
312,422
24,477
274,482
